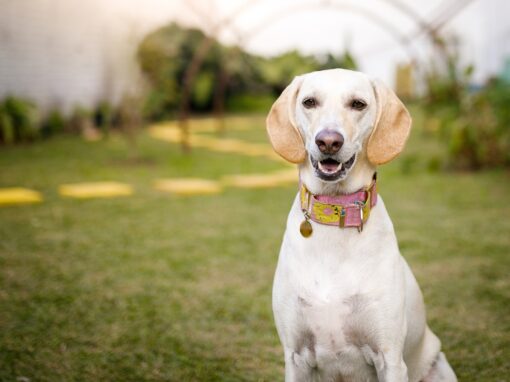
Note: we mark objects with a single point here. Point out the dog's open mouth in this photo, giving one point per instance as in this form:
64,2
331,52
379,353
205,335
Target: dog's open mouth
331,169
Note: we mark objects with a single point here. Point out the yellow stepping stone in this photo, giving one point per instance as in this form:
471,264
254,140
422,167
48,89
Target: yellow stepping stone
165,133
274,179
224,145
188,186
18,195
204,125
235,146
95,190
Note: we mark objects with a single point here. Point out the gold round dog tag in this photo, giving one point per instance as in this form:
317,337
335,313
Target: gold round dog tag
306,228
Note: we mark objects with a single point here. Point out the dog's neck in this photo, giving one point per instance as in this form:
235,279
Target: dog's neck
359,177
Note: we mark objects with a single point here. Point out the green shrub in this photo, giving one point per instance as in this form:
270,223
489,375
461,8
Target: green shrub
475,124
477,128
6,127
104,117
203,89
20,121
54,124
250,103
224,74
154,106
480,136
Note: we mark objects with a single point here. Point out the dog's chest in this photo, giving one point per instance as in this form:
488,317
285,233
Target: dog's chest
330,292
336,324
339,307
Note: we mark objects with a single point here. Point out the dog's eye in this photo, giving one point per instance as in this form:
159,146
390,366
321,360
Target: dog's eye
358,104
310,103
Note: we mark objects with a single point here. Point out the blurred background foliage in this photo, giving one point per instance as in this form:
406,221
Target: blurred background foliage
472,123
251,81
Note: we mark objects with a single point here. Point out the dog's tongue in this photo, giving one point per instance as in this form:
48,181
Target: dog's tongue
329,165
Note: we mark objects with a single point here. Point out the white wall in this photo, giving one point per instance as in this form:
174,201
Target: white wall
64,53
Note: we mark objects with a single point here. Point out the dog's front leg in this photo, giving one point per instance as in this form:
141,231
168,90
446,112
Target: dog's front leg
394,371
389,365
297,369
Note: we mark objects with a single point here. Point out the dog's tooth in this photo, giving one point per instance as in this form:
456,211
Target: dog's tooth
340,166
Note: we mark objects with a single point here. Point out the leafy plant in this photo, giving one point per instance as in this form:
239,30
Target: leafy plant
480,137
104,117
6,126
19,120
54,124
227,72
164,56
475,123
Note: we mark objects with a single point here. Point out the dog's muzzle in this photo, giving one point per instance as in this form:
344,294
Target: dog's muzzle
330,169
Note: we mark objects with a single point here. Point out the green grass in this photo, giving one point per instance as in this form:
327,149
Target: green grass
156,287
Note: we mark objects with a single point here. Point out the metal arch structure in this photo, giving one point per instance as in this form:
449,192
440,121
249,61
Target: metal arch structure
338,6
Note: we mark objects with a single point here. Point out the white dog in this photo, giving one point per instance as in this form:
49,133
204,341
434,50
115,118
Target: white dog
346,305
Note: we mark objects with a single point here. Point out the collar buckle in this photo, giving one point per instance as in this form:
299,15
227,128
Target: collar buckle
341,217
361,207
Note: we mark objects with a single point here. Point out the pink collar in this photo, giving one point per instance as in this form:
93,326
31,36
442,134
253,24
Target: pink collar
349,210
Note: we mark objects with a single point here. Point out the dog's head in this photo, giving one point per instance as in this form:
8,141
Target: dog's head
337,124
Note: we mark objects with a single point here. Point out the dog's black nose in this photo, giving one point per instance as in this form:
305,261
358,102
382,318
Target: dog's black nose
329,141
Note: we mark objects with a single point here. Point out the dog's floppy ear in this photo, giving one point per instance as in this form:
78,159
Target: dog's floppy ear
392,126
281,126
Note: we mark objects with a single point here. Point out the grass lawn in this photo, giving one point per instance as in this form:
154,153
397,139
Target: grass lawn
155,287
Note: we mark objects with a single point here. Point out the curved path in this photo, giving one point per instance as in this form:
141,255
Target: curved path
169,132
